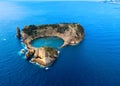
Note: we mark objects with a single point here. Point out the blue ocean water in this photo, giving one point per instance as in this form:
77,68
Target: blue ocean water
93,62
54,42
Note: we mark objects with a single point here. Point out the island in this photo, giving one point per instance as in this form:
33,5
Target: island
71,33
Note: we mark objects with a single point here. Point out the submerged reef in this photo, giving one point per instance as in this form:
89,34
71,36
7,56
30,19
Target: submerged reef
71,33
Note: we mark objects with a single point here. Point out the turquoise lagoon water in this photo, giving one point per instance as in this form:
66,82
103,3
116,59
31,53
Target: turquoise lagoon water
53,42
93,62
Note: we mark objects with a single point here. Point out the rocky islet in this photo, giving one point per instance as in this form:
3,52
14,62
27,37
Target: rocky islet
71,33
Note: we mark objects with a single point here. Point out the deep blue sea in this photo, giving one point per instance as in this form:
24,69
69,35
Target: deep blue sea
93,62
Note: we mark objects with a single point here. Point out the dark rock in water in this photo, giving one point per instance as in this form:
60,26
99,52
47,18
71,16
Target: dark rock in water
30,53
18,34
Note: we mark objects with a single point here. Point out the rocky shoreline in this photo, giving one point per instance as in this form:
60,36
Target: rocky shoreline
71,33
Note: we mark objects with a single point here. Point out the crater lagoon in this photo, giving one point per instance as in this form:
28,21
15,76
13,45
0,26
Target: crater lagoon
54,42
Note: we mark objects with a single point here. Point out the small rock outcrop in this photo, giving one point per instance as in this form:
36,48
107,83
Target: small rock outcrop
18,34
44,56
72,34
30,53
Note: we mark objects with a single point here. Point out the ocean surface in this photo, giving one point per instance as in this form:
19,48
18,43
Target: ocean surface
93,62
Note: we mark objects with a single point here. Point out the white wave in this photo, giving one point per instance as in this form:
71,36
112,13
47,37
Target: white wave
21,52
46,68
23,45
35,63
58,51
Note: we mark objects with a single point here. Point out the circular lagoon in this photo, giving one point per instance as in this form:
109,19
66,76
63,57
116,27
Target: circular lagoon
54,42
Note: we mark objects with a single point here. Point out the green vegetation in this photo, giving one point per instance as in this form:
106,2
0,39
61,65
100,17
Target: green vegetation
29,29
80,29
62,29
56,27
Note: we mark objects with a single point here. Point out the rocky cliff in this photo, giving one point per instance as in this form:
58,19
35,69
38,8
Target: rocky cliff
18,34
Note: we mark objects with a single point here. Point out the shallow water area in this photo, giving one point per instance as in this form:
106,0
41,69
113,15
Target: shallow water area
54,42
